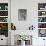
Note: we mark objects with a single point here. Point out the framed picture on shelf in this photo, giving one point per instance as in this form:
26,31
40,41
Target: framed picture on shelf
41,13
41,6
42,33
3,13
41,19
41,25
3,19
3,6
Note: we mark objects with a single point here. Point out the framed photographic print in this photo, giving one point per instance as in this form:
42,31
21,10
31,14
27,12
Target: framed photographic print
22,14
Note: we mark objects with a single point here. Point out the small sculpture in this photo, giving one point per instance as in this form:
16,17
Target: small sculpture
31,27
13,27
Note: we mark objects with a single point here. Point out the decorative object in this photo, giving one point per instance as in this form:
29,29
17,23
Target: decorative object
41,19
0,7
22,43
31,27
41,13
42,32
4,29
23,40
3,13
13,27
6,7
41,6
4,26
40,25
3,6
3,19
22,14
26,38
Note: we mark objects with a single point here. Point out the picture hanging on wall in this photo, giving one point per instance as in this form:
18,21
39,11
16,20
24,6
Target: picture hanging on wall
22,14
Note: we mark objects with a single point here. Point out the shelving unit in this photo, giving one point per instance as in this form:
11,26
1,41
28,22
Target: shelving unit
41,28
42,19
4,19
41,10
42,16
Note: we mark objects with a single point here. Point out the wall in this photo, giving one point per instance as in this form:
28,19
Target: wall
32,14
23,25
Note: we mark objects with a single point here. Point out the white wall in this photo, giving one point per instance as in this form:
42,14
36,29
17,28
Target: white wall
32,14
31,10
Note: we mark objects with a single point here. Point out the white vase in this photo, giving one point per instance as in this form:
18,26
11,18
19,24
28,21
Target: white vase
22,43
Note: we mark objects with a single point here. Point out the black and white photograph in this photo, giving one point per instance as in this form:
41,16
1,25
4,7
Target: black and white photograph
22,14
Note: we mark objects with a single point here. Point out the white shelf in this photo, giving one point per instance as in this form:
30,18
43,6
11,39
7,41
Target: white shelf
41,22
41,10
42,16
41,28
3,10
3,22
3,16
